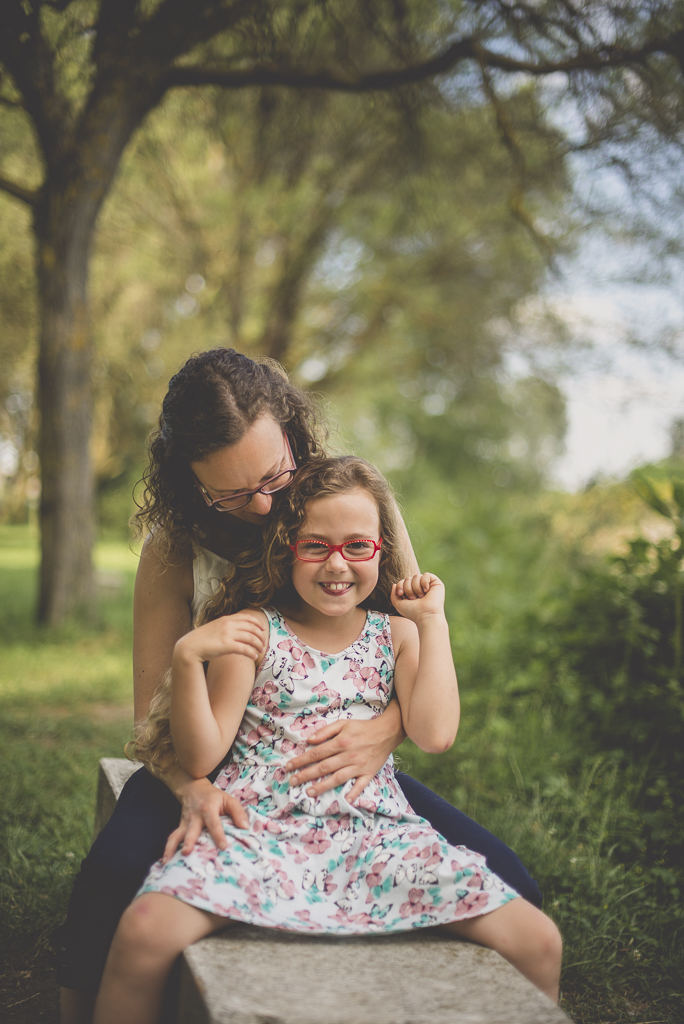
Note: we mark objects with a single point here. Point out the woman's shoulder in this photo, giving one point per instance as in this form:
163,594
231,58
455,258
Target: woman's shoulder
164,577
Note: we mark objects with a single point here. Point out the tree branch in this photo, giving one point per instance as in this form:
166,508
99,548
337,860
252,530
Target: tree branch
11,104
517,196
462,49
269,75
30,196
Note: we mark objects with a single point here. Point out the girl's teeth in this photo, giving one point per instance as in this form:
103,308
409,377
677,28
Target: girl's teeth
336,586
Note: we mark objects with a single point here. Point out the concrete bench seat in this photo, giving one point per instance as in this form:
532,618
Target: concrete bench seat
248,975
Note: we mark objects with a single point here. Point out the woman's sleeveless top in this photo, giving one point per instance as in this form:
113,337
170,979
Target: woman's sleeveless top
208,569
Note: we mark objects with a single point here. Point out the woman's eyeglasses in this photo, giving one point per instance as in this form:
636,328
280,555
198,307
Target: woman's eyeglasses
232,502
351,550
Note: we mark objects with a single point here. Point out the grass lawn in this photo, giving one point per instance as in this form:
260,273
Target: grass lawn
65,701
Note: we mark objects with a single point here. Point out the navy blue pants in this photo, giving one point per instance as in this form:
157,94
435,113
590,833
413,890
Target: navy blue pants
135,836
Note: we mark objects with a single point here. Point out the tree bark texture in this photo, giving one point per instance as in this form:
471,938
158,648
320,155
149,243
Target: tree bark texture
65,397
64,223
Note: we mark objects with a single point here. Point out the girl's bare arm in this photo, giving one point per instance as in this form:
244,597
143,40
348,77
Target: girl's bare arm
424,677
206,711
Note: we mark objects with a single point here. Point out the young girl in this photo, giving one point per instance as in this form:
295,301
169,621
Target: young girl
343,862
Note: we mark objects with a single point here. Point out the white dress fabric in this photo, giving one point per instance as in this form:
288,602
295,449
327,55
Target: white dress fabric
322,864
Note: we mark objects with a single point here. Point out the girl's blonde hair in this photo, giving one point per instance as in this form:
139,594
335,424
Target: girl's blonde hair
260,576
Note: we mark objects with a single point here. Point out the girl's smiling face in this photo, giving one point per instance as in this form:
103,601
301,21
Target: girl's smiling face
335,587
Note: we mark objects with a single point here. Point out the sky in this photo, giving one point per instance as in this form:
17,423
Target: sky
622,397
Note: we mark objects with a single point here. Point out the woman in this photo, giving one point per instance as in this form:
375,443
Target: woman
231,434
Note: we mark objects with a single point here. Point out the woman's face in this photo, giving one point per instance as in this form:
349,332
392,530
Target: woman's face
259,455
336,586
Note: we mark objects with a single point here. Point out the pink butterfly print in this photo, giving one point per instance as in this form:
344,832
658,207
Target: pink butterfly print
305,917
308,725
289,645
224,781
372,677
315,841
247,795
299,856
251,889
431,855
415,904
472,904
262,732
333,696
193,890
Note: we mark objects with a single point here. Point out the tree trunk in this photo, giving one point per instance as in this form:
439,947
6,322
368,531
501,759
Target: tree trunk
64,233
80,176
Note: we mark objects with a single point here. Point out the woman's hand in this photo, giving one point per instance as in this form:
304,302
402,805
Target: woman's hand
242,633
419,597
346,750
203,805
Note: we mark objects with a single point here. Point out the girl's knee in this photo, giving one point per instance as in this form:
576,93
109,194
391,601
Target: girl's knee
527,927
141,928
550,939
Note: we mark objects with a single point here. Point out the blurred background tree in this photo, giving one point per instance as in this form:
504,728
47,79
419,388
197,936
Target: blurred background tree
80,77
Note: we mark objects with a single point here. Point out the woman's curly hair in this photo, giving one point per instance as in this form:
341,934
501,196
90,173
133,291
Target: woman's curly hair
210,403
261,576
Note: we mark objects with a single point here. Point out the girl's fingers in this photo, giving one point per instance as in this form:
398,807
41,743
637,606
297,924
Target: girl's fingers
414,587
248,650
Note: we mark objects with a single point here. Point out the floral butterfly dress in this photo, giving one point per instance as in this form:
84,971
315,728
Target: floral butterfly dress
320,864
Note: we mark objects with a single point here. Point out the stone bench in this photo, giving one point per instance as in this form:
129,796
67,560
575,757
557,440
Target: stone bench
249,975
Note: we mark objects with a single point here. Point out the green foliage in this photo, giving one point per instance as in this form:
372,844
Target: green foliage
346,236
570,742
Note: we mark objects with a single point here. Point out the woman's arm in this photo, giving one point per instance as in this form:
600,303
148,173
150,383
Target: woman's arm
405,541
424,676
161,616
206,711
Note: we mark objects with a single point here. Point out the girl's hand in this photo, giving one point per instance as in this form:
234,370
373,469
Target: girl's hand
419,597
242,633
203,805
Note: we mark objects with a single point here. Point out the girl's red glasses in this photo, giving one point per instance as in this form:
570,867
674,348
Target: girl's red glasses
351,550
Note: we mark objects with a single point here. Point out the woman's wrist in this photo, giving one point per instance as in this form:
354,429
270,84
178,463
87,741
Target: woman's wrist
178,781
391,724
